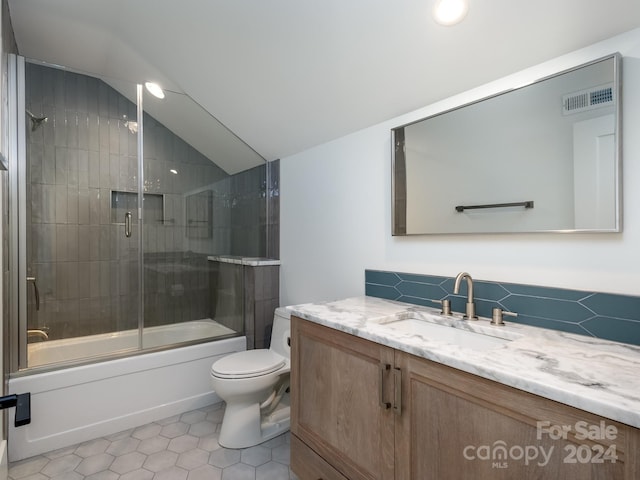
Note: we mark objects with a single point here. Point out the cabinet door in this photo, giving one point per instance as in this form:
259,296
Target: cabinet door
460,426
335,398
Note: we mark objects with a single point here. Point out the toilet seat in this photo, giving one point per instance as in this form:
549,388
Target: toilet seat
247,364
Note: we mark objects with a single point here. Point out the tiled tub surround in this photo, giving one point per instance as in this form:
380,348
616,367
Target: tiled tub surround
600,315
595,375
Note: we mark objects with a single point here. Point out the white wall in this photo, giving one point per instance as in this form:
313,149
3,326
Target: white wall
336,212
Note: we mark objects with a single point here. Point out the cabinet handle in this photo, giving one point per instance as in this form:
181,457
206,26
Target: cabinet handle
383,369
397,387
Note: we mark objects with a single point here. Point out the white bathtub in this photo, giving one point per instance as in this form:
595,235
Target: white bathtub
76,404
54,351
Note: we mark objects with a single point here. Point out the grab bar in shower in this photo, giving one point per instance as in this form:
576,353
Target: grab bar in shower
35,289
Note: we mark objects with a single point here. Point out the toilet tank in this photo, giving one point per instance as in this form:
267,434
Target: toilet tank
281,332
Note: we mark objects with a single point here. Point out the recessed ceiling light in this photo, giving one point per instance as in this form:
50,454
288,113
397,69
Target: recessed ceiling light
450,12
154,89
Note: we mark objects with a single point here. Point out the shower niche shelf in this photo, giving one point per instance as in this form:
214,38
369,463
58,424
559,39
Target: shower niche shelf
123,202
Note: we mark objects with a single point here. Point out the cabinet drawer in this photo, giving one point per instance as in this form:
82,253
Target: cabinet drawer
308,465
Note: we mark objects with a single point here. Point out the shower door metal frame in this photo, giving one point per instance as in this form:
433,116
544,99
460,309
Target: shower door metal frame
17,214
140,114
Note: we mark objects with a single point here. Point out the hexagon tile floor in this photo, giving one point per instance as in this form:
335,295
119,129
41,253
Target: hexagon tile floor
183,447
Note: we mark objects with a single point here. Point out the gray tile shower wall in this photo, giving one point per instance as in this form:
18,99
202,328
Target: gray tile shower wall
248,207
244,298
246,213
602,315
226,295
273,210
176,288
262,296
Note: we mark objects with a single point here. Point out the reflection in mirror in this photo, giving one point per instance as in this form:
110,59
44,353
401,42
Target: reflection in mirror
540,158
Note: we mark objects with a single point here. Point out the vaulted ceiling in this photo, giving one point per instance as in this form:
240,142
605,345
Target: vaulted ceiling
286,75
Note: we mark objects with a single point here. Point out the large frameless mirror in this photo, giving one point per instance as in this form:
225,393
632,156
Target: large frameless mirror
541,158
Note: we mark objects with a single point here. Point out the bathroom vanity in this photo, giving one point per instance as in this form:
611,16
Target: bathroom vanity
375,396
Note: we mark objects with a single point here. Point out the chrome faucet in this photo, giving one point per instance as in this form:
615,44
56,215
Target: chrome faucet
471,307
41,334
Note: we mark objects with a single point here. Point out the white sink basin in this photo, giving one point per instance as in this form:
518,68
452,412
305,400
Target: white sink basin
445,333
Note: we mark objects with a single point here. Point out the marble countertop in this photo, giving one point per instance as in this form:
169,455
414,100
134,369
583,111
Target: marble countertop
599,376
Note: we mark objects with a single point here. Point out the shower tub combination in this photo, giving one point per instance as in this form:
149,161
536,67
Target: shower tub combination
84,402
130,248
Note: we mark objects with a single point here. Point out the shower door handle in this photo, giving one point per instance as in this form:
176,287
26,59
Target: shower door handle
127,224
35,289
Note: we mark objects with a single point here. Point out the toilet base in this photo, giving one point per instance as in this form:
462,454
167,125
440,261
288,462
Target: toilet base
243,426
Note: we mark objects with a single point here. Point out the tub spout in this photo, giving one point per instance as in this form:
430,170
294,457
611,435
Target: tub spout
36,333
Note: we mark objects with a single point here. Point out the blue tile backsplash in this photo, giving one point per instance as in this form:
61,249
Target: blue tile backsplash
602,315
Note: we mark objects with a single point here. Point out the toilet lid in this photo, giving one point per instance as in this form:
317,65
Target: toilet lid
250,363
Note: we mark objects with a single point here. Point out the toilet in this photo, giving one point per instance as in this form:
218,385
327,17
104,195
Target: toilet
255,386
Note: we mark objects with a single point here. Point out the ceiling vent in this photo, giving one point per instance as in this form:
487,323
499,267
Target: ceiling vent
595,97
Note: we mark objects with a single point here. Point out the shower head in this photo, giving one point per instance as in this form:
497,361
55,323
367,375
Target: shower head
36,121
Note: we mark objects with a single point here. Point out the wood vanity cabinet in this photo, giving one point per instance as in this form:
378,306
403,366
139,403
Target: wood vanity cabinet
355,418
460,426
336,415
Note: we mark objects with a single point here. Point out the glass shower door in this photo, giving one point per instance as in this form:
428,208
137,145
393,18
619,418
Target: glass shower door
79,246
186,213
178,224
